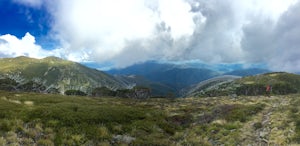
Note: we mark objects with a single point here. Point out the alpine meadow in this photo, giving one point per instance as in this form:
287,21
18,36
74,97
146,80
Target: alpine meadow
149,73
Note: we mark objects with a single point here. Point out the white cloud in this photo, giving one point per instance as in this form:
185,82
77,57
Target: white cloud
106,26
128,31
176,14
11,46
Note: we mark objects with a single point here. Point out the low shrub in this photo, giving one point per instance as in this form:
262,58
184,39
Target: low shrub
257,125
75,92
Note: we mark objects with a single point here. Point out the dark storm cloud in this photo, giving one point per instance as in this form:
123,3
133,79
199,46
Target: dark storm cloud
276,43
216,31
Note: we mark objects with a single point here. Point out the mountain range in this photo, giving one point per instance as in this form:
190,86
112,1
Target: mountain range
164,79
180,77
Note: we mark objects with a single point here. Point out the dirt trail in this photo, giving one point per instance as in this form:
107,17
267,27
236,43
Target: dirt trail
270,127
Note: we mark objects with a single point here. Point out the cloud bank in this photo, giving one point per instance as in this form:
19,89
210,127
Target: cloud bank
11,46
213,31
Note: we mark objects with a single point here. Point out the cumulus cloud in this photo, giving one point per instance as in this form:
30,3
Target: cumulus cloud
11,46
115,29
213,31
217,38
134,31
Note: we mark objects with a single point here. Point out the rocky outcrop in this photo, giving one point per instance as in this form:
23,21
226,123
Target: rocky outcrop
8,84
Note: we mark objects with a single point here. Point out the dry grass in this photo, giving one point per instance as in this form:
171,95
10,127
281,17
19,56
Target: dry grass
29,103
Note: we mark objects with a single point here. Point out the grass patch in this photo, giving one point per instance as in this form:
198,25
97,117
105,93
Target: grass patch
242,113
45,119
295,115
78,120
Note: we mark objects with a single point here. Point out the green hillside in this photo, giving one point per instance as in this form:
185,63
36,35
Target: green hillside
282,83
204,87
272,79
54,72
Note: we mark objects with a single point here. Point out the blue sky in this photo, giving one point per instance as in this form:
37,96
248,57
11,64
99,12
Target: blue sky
18,19
118,33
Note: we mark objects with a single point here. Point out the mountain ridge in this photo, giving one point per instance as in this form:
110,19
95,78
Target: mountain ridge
282,83
57,73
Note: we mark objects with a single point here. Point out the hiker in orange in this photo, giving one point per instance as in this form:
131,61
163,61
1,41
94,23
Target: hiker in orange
268,90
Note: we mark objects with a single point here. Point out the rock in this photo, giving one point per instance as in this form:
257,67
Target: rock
265,122
234,96
264,140
122,139
263,134
270,113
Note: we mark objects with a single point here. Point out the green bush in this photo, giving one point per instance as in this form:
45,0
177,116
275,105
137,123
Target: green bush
242,113
6,125
8,84
257,125
283,89
251,89
75,92
181,120
103,91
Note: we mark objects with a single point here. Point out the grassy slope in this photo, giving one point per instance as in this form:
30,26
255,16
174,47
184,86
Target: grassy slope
52,71
282,83
54,119
208,84
272,78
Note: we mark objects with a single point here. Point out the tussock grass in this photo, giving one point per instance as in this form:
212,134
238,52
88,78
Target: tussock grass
45,119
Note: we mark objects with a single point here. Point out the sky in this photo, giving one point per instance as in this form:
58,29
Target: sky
119,33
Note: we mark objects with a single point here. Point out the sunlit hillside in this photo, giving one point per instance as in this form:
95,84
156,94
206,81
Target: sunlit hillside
29,119
282,83
53,72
